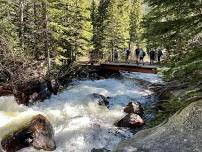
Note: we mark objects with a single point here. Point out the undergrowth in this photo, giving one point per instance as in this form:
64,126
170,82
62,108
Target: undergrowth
176,104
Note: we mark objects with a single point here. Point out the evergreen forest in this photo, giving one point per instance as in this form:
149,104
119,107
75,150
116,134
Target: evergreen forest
101,75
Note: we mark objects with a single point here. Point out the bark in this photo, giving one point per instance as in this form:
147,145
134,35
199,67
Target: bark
45,27
21,21
35,34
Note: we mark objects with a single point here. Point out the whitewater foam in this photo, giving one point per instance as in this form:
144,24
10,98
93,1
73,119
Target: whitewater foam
79,123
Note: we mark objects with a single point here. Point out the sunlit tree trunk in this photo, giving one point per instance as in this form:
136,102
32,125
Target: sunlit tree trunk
35,34
21,26
45,28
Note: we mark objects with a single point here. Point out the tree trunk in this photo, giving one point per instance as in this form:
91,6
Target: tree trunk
45,28
21,26
129,43
112,51
35,53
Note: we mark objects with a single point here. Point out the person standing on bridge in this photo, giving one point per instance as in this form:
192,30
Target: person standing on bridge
152,55
127,55
159,54
116,55
90,58
142,55
137,52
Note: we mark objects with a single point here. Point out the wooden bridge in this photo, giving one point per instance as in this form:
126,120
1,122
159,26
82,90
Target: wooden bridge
131,67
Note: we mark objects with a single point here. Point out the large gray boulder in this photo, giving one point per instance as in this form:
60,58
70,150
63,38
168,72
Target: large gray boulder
182,133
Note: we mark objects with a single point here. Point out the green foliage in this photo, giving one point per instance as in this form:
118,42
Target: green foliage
23,28
169,108
34,30
114,24
8,37
176,26
136,15
170,24
176,103
70,26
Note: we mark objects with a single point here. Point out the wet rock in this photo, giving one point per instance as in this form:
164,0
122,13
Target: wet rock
5,90
134,107
182,133
53,86
131,120
100,99
100,150
33,91
101,78
38,133
164,94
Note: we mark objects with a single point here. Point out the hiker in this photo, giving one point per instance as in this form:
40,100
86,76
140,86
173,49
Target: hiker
152,56
116,55
142,55
90,58
159,55
137,52
127,54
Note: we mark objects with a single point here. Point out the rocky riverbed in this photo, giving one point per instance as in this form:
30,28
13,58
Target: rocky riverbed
80,121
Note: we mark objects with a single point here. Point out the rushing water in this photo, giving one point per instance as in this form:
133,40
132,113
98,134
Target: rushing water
80,124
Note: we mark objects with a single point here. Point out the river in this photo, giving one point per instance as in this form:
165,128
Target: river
80,124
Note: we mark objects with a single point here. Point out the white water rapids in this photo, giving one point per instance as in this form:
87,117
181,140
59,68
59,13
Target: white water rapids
80,124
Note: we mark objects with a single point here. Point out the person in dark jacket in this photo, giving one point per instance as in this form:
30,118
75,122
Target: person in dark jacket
137,52
142,55
152,56
116,56
159,54
127,54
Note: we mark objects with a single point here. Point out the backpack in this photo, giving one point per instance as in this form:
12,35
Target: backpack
128,52
144,53
137,52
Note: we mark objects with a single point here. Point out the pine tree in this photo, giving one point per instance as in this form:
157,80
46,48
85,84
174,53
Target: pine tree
98,19
71,28
110,24
9,39
136,15
175,25
115,33
170,23
94,23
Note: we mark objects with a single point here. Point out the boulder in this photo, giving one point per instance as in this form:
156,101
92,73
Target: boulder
35,90
134,107
131,120
181,133
36,132
100,99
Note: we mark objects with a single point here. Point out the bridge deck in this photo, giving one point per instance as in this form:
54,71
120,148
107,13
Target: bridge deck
131,67
121,66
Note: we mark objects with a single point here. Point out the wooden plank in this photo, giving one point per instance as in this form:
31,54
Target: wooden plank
129,67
